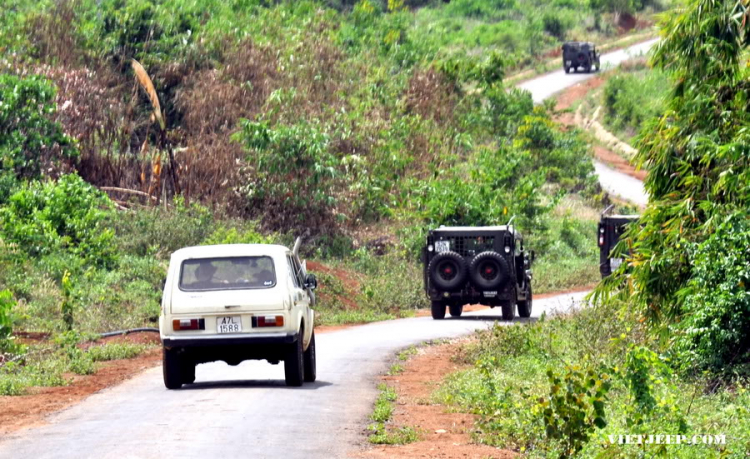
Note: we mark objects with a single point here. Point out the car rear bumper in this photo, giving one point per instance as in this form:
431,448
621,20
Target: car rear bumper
245,339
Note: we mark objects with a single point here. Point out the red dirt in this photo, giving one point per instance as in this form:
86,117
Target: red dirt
347,279
577,92
24,411
442,434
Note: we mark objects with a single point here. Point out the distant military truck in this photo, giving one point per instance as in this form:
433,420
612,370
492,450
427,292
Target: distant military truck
611,228
580,55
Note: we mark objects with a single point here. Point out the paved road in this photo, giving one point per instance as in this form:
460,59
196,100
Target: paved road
246,411
621,185
550,84
545,86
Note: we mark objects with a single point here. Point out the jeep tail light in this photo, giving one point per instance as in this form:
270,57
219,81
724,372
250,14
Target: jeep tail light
188,324
268,321
601,236
507,249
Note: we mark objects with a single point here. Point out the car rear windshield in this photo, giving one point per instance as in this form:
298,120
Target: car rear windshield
229,273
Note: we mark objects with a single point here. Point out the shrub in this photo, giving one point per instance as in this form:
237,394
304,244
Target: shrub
715,330
29,139
295,174
66,214
6,321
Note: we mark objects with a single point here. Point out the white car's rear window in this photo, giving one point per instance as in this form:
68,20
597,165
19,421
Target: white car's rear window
228,273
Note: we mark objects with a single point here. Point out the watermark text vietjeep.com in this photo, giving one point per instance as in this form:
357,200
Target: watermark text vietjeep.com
668,439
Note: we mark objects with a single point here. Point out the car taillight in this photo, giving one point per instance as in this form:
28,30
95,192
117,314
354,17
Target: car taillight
268,321
601,235
188,324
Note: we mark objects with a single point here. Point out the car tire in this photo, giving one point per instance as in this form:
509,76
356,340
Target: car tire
508,309
525,307
171,369
587,69
489,271
456,309
447,264
567,69
311,371
188,372
294,363
438,310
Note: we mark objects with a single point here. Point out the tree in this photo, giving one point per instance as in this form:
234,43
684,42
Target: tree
697,155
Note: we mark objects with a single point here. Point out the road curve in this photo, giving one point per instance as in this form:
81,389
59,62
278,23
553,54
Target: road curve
246,411
547,85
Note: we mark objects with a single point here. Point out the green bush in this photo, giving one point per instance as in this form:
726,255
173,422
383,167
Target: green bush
66,214
29,138
715,330
295,172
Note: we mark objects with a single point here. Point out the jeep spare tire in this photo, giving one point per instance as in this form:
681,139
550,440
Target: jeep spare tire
447,271
489,271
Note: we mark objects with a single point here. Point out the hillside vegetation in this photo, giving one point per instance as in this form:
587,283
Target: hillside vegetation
131,129
665,347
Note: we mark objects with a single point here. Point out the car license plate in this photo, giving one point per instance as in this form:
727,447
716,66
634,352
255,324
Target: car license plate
229,324
494,293
442,246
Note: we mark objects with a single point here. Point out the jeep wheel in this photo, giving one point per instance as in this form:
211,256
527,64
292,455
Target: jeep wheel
309,361
438,310
524,307
171,369
294,363
587,68
447,271
509,310
456,309
489,271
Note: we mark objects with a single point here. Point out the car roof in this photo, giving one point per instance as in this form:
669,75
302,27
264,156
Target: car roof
229,250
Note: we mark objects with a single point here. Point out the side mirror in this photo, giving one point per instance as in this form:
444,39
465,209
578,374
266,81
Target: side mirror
311,282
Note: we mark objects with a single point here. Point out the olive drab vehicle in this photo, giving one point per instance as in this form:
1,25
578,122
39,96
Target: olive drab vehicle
580,55
611,227
477,265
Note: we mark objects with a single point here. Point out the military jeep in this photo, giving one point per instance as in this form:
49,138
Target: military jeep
576,54
611,228
477,265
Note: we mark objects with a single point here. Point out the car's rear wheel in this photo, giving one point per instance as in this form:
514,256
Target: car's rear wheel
509,310
294,363
438,310
188,372
171,369
525,307
456,310
309,361
567,69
